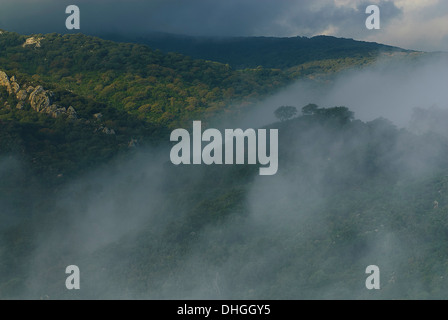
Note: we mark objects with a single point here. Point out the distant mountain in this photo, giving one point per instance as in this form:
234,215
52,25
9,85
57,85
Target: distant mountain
269,52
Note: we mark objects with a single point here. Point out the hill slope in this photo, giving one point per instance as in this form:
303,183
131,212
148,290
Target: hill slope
160,88
268,52
169,89
348,194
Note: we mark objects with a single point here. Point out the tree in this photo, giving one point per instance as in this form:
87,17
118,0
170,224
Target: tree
285,112
309,109
342,113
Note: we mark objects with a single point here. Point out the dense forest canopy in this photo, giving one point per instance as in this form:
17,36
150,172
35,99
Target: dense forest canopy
85,178
354,184
169,89
160,88
268,52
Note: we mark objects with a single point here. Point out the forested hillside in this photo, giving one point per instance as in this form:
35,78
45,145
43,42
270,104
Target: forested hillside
160,88
169,89
86,178
347,194
268,52
130,90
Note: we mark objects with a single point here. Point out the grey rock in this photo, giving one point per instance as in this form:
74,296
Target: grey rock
4,81
39,99
21,95
133,143
108,131
32,41
98,115
71,112
15,86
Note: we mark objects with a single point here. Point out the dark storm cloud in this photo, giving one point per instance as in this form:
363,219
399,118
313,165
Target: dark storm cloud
197,17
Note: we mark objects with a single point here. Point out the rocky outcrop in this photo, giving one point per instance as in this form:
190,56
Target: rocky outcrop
105,130
71,113
32,41
41,101
133,143
4,82
39,98
11,84
21,95
14,85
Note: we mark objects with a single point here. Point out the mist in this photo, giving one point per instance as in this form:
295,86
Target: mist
390,88
142,228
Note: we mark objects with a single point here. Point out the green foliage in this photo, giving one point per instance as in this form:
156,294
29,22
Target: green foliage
342,114
309,109
59,148
351,191
169,89
268,52
285,112
164,89
350,195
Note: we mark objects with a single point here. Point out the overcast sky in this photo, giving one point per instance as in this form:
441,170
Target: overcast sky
412,24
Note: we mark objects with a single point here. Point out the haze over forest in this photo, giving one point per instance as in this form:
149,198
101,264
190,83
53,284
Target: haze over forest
86,177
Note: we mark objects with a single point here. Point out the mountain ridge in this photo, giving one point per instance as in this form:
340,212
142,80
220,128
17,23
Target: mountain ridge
250,52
